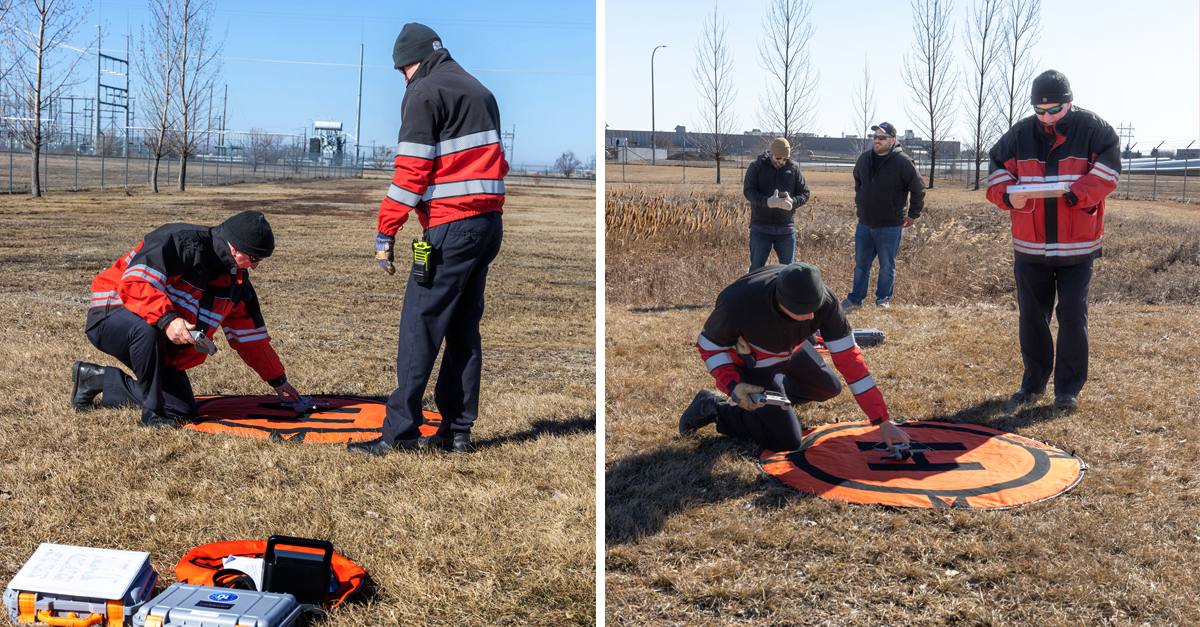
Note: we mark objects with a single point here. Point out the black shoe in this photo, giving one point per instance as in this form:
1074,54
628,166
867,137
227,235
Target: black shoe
462,443
89,383
1023,397
1066,402
432,443
155,420
700,413
374,447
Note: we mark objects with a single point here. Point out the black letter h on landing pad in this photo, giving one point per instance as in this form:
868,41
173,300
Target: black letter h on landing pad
920,463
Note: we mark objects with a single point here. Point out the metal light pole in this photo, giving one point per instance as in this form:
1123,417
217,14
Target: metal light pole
653,146
1187,157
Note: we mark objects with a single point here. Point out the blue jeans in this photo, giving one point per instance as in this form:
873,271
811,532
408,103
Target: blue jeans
761,244
869,243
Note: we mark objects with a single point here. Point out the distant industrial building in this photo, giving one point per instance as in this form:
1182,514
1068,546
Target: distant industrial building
755,142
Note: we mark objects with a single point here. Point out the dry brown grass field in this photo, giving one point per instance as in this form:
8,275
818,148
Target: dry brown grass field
502,536
696,534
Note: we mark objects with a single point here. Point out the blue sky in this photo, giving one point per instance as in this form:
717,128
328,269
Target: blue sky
538,58
1132,63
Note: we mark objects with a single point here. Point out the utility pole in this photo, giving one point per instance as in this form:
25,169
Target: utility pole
653,147
96,126
358,114
224,110
1126,132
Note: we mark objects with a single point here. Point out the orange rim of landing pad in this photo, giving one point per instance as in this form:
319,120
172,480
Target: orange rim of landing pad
953,466
338,419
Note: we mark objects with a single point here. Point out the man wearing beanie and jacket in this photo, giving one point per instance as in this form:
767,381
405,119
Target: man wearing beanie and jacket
147,308
1055,238
886,183
775,187
747,344
450,168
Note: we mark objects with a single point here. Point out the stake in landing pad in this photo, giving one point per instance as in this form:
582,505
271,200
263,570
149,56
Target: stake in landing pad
952,466
324,419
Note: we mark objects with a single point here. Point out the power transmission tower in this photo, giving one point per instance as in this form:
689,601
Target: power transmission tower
1126,133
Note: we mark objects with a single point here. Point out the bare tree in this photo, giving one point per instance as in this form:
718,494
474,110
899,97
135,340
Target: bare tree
929,72
33,30
567,164
590,166
262,148
982,42
787,104
156,65
197,67
714,81
864,107
1022,28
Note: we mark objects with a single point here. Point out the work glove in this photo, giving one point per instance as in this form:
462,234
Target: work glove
383,252
743,349
741,395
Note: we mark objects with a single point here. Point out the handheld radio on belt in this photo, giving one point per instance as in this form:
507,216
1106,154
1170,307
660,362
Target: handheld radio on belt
422,268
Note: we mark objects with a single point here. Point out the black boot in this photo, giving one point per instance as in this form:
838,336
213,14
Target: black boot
700,413
89,383
462,443
156,420
374,447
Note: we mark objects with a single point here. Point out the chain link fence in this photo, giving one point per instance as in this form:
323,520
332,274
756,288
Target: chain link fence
72,160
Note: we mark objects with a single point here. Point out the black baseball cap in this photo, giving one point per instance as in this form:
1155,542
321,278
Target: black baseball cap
885,127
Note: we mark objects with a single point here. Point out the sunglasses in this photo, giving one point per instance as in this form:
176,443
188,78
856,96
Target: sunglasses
254,259
881,138
1050,111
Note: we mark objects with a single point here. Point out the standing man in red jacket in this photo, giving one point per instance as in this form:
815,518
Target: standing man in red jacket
450,168
1055,238
157,308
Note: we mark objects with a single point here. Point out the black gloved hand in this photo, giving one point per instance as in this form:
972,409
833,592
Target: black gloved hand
383,252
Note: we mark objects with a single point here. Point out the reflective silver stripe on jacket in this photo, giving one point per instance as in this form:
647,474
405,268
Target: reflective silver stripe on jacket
841,344
413,149
1058,250
862,385
467,142
403,196
463,188
720,359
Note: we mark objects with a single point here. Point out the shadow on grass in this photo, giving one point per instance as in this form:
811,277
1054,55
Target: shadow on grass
667,308
539,428
1000,415
643,491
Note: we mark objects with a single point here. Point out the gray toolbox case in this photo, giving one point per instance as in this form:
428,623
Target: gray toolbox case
184,604
99,586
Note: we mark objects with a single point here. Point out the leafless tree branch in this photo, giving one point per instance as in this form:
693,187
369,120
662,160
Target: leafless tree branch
929,72
197,67
156,66
981,38
33,30
864,107
714,81
787,105
1022,29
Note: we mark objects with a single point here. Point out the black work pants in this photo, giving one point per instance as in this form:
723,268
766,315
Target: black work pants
1037,286
143,348
448,308
803,377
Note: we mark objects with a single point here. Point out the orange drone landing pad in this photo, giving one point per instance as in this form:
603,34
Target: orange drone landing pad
953,466
335,419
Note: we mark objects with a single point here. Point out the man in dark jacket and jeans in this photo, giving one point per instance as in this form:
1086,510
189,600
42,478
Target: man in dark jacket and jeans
885,180
450,168
775,187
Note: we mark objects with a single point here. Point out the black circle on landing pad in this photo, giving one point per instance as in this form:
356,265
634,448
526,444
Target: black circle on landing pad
799,465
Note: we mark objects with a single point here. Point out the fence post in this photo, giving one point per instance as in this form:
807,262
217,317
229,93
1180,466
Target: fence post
76,165
101,159
126,159
1154,191
10,165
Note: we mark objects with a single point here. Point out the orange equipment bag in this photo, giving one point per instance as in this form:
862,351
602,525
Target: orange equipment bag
203,566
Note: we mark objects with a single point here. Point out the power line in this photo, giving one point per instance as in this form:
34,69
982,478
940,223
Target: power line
375,67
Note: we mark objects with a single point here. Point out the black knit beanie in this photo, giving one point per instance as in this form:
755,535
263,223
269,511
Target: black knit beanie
1051,86
250,234
416,41
798,288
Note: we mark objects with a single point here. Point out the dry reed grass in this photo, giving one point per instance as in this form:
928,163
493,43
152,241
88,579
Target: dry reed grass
504,536
697,535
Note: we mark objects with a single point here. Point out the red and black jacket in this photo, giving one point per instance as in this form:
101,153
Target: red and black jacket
1080,149
187,271
450,162
747,309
